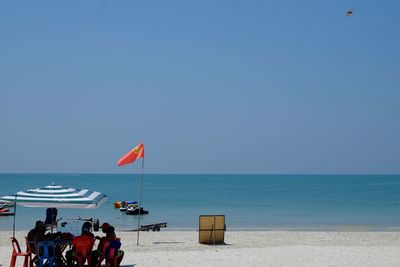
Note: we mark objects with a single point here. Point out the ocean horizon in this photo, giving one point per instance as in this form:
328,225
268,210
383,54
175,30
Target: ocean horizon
248,201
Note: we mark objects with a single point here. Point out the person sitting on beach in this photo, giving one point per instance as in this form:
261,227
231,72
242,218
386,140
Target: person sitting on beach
110,235
34,236
39,230
40,235
86,229
70,254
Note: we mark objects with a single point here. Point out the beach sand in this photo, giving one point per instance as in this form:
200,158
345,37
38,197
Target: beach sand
250,248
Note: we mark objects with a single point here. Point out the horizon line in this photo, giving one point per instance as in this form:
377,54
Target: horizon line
205,173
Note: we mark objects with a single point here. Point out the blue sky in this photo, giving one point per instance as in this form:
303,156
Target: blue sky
208,86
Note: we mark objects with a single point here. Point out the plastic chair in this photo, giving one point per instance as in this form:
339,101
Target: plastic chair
30,247
110,252
31,251
83,249
46,253
17,252
51,216
51,219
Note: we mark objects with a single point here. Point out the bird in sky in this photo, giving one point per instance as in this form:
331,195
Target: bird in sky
349,13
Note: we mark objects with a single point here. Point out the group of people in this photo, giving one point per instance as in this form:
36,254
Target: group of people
38,234
109,232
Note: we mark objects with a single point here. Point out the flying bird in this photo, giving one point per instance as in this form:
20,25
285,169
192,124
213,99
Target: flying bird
349,13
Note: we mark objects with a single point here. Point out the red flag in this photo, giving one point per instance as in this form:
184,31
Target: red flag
131,156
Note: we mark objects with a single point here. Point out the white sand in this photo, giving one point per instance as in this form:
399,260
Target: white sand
245,248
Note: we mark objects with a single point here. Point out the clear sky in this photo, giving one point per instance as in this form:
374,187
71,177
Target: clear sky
209,86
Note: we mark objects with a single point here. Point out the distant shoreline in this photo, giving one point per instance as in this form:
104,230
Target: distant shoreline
199,173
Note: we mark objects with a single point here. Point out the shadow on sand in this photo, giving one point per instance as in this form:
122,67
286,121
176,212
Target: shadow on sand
167,242
218,244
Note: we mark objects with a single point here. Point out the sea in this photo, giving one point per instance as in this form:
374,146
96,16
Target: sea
248,201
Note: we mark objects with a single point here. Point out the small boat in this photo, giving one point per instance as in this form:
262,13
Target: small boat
6,205
5,212
121,204
135,211
127,204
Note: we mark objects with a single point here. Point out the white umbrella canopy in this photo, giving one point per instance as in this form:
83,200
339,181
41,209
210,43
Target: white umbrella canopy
57,196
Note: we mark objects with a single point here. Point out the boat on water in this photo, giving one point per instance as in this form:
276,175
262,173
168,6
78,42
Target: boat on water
6,212
6,205
135,211
130,207
124,205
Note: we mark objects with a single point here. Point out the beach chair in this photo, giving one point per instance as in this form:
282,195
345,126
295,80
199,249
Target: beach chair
18,253
83,249
46,253
51,219
51,216
30,247
110,253
31,250
212,229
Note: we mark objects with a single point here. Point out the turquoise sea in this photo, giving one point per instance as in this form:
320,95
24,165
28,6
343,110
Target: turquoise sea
318,202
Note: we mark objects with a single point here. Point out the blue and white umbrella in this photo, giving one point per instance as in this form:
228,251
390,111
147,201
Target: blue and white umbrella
57,196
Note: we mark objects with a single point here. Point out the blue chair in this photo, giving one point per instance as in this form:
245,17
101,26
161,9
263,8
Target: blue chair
46,251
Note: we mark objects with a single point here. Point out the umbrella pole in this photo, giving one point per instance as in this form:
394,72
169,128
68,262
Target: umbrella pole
140,203
15,214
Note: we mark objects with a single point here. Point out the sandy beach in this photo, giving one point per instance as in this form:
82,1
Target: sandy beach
251,248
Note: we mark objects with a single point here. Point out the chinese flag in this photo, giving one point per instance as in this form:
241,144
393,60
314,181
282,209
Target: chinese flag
131,156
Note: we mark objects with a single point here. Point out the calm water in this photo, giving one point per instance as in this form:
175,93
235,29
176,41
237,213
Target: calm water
248,201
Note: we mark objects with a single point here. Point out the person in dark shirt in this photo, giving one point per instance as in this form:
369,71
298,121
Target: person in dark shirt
86,229
36,234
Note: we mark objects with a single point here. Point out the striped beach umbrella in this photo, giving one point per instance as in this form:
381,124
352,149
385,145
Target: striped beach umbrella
57,196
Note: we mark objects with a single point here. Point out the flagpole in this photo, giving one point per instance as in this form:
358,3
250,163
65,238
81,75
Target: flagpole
140,203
